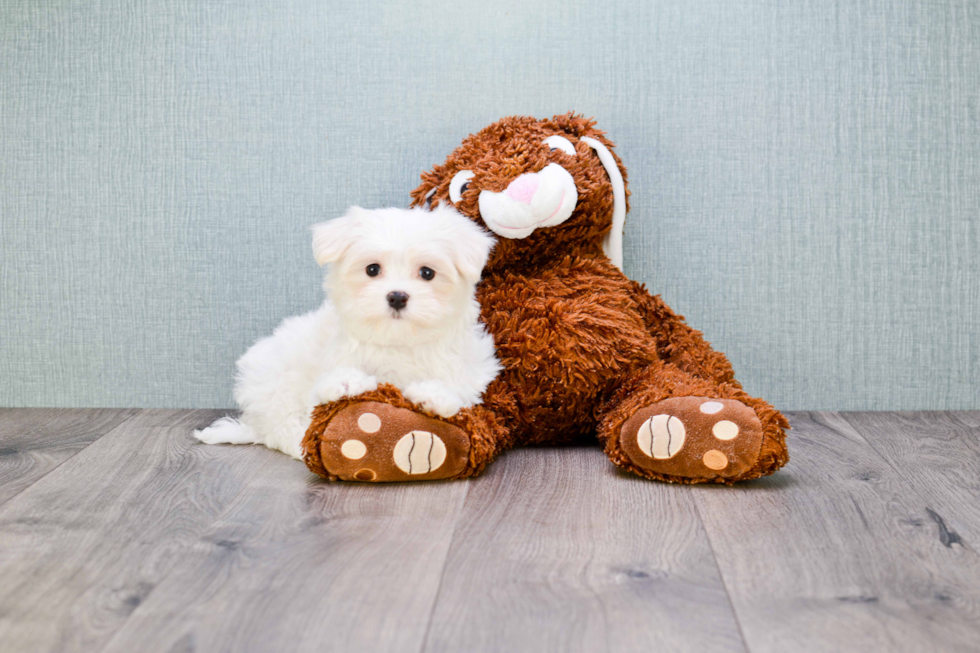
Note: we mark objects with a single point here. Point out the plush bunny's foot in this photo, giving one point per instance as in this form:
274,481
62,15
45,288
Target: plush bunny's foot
373,441
694,438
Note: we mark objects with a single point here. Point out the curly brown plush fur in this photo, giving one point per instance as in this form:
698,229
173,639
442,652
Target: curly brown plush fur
584,348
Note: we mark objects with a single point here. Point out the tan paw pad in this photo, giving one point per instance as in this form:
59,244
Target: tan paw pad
715,459
420,452
369,423
353,449
711,407
725,430
661,436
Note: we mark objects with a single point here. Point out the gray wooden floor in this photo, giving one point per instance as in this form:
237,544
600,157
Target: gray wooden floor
118,532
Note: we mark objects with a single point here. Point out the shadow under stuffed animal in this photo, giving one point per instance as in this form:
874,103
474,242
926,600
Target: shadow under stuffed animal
585,350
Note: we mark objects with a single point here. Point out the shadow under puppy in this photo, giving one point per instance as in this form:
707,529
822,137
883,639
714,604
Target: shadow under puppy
400,309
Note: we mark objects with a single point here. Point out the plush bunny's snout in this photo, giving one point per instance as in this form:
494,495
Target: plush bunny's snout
532,200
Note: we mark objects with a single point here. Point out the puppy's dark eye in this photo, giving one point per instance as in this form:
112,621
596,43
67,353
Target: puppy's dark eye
427,273
373,270
462,189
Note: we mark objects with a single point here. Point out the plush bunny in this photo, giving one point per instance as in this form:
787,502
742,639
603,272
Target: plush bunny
585,350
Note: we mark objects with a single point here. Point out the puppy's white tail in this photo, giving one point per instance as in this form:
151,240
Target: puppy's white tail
226,430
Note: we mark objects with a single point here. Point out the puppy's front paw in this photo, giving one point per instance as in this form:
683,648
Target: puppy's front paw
340,383
435,397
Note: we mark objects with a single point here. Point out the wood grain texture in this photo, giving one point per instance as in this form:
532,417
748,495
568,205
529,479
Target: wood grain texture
300,564
145,540
839,552
33,441
557,550
938,454
81,548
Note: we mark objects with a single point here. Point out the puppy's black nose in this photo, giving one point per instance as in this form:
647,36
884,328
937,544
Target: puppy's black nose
397,299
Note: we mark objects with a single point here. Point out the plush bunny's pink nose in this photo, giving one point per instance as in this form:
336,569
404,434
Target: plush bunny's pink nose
523,188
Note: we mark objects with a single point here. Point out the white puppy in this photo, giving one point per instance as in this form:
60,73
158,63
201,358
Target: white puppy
400,309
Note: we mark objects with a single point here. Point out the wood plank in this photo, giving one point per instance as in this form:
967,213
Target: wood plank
33,441
81,548
938,454
304,565
557,550
831,554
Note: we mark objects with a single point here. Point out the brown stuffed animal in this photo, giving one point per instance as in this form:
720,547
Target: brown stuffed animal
584,349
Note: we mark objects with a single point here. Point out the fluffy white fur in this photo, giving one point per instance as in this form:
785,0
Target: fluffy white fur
434,349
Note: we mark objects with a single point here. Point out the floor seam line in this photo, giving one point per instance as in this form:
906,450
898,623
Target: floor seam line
900,476
445,563
721,575
197,539
58,466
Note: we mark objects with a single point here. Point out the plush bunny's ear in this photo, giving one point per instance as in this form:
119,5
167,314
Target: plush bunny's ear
332,238
613,244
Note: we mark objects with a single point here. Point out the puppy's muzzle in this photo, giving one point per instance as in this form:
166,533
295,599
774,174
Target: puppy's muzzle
397,299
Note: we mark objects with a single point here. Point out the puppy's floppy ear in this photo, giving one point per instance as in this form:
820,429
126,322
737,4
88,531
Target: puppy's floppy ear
470,247
332,238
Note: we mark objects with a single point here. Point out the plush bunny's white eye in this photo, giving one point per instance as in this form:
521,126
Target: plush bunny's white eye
560,143
459,184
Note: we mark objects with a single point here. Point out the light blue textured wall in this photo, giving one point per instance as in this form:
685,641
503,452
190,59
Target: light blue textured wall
805,175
